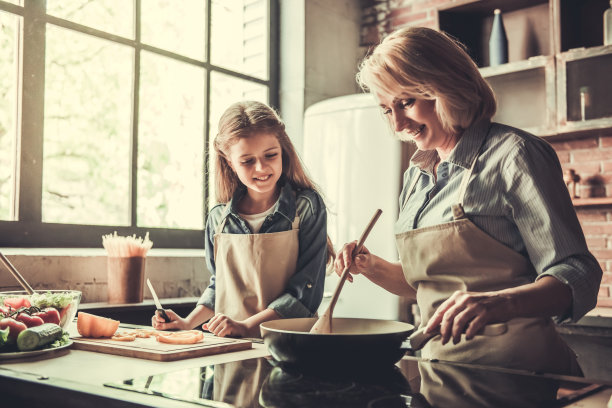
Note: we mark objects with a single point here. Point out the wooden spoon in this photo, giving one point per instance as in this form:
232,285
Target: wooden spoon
16,274
324,324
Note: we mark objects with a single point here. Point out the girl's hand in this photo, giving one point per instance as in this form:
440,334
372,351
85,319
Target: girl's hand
176,322
222,326
468,312
362,262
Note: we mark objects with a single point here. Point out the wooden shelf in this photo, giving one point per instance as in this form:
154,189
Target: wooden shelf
591,202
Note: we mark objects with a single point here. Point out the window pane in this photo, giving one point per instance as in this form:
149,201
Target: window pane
9,64
179,27
170,144
239,36
112,16
88,104
224,91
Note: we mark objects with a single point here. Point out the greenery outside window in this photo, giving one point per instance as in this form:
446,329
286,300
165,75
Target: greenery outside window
108,109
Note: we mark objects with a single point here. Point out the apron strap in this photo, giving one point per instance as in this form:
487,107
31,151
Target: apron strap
296,222
458,212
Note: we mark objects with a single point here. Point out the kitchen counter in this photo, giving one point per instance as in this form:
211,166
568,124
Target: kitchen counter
75,378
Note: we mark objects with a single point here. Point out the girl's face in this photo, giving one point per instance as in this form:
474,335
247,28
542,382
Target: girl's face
416,119
257,161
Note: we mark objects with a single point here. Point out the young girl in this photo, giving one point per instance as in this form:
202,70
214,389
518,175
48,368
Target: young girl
266,243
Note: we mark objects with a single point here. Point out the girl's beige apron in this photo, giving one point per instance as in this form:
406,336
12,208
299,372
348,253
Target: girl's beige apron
441,259
252,269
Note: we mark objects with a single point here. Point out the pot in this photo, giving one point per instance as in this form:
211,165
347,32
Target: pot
354,342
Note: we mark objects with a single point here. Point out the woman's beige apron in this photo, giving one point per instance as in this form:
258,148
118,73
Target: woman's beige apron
441,259
252,270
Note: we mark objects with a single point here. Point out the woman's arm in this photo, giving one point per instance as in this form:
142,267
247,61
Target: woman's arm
388,275
469,312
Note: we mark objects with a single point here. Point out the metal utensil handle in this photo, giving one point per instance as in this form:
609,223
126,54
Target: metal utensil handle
16,274
345,272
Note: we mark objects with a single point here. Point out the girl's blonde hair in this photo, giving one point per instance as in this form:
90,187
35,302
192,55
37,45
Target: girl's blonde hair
241,120
427,64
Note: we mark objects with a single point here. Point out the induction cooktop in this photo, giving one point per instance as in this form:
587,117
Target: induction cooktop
262,382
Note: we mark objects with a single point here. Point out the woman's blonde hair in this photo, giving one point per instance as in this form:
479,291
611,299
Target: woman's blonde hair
241,120
428,64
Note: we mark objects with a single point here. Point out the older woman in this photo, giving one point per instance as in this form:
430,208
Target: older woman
486,232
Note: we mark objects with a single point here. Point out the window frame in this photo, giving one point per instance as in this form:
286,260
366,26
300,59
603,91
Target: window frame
29,230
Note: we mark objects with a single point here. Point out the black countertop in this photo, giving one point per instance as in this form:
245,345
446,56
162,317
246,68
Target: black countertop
413,382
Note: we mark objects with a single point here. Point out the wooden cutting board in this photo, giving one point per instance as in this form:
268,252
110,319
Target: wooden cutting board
151,349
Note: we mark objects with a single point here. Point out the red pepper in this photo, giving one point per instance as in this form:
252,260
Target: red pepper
49,315
29,321
14,326
17,302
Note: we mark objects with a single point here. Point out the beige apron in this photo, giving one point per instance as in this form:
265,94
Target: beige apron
252,270
457,255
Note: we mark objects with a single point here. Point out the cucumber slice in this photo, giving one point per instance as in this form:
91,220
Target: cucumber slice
38,336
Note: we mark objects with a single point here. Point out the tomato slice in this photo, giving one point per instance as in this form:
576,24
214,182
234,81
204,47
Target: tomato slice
17,302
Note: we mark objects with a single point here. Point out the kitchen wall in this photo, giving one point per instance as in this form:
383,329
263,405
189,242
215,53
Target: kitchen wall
588,153
319,55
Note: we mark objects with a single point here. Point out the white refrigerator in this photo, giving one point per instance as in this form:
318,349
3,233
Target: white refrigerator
353,156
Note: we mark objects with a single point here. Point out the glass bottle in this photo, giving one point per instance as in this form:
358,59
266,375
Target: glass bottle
608,25
498,42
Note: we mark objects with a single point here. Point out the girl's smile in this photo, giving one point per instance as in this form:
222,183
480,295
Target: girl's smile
257,161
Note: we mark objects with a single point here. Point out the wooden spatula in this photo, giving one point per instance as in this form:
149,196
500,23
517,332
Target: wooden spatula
324,324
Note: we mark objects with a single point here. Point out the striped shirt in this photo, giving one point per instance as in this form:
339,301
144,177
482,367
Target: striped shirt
517,195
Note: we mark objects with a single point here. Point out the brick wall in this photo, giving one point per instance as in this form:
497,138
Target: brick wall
590,155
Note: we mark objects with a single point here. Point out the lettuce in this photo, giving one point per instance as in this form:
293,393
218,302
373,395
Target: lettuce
48,299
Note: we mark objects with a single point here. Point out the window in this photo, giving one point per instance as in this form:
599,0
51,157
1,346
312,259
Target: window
108,109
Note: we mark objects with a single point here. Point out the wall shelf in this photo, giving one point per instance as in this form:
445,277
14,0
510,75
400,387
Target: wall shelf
592,202
555,51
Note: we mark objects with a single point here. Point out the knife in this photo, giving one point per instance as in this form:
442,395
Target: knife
158,305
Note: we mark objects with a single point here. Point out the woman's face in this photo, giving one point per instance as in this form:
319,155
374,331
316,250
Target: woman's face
416,120
257,161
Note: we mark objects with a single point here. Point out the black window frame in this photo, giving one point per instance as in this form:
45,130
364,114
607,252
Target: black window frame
29,230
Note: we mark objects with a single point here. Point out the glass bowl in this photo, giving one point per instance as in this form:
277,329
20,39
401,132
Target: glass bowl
65,301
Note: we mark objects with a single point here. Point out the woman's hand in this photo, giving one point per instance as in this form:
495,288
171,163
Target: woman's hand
222,326
362,262
176,322
469,312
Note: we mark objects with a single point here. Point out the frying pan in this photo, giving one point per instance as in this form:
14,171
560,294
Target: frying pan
354,343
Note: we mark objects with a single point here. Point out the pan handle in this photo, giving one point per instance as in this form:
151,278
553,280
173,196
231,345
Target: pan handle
418,338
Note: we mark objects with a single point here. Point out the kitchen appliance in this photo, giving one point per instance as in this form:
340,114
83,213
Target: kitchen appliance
413,382
352,155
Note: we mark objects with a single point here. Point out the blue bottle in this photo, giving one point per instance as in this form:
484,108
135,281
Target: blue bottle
498,42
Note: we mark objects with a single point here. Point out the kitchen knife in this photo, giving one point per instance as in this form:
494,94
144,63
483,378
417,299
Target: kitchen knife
158,305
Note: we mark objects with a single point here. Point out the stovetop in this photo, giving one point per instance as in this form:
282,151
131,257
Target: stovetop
413,382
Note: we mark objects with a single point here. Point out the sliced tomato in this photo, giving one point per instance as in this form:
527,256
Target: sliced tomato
89,325
17,302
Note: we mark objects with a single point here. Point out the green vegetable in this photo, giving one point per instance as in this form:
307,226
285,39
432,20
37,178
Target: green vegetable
4,336
39,336
48,299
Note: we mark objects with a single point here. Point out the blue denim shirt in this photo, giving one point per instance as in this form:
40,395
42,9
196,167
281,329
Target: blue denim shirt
304,290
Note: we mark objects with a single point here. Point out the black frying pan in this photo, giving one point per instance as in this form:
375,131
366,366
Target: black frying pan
360,343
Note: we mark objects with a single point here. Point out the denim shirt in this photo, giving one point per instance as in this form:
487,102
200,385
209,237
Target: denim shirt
516,195
304,290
